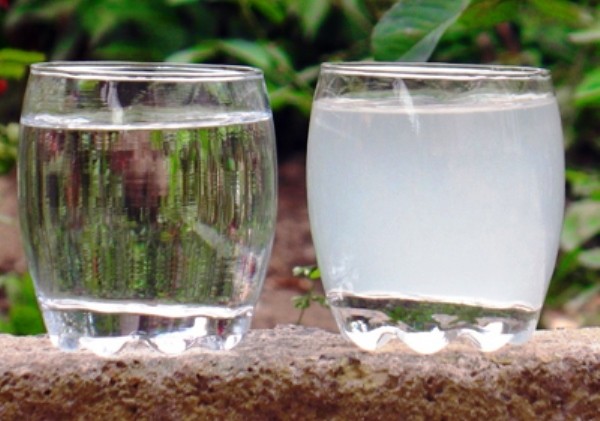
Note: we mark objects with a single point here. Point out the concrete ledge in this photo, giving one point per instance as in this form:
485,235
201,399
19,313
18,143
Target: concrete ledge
305,374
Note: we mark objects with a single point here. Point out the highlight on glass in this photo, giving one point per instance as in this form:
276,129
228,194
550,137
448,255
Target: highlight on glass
148,200
436,196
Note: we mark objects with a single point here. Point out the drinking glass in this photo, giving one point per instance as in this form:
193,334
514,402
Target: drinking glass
436,196
147,194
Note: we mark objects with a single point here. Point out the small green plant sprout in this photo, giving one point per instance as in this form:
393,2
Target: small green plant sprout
302,302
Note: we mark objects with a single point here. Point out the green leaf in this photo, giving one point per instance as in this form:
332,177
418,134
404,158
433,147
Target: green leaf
586,184
197,54
66,44
98,22
315,274
586,36
566,264
280,59
563,11
249,52
9,142
41,9
288,96
268,57
6,326
483,14
582,222
24,317
27,293
308,75
126,50
356,13
301,302
590,258
12,70
310,272
13,63
588,91
178,2
272,10
411,29
321,300
20,56
101,18
26,320
312,13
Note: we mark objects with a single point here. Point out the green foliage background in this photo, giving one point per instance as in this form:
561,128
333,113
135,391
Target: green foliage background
288,39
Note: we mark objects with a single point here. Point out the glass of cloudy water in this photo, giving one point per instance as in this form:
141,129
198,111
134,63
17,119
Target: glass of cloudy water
148,202
436,197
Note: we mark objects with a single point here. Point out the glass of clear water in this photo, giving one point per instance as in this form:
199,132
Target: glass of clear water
436,197
148,200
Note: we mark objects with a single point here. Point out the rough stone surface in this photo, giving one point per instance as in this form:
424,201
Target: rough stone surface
305,374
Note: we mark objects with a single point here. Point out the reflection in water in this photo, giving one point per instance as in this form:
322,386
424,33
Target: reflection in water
165,216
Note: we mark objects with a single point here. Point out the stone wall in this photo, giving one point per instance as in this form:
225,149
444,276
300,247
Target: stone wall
305,374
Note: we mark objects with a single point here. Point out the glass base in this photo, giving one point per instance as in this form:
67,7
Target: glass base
429,326
107,334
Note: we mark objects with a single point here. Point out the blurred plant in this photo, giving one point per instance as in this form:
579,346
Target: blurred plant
288,39
13,65
9,139
22,317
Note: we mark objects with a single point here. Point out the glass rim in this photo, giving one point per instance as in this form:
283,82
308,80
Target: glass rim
426,70
132,71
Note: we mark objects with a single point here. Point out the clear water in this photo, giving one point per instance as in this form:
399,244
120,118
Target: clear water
126,223
460,203
105,328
